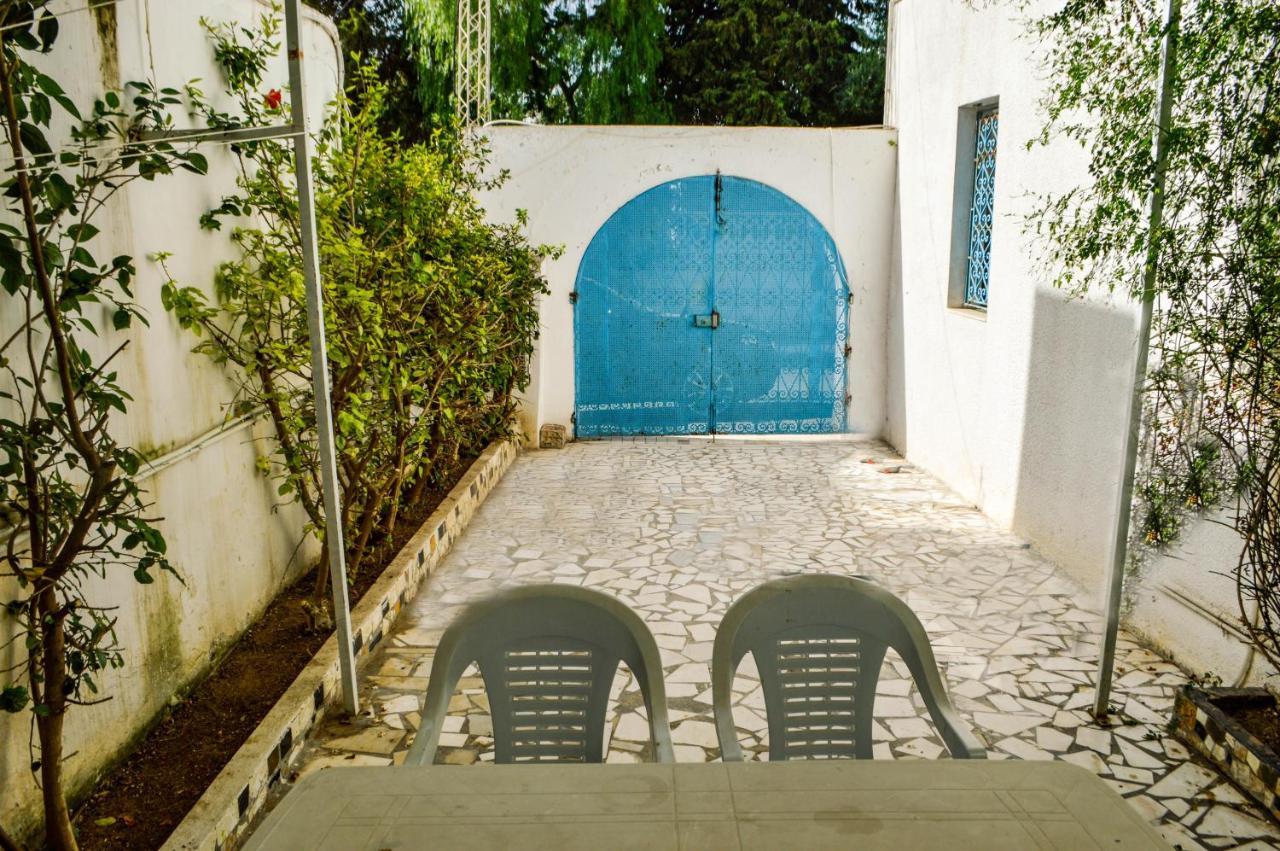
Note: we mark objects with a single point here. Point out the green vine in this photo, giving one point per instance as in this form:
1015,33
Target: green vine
1212,424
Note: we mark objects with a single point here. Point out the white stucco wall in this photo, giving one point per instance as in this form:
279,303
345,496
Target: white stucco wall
571,179
1021,408
1184,601
235,548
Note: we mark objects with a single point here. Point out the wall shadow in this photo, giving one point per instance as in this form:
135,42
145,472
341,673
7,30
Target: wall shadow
1077,390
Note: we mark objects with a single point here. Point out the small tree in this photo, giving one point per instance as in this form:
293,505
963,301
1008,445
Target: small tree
1213,394
73,509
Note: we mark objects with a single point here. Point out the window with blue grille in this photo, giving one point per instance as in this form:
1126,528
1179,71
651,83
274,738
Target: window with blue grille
982,212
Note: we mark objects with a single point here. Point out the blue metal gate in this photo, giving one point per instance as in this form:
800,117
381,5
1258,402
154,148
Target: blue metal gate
710,305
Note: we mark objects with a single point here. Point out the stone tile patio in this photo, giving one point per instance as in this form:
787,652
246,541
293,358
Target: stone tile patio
678,529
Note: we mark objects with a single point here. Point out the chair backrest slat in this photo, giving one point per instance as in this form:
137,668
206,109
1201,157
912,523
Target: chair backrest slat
818,642
547,655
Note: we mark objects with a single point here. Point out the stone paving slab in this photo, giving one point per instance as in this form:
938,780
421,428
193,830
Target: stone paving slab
678,529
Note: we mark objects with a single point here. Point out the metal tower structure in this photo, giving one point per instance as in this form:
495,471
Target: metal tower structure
471,81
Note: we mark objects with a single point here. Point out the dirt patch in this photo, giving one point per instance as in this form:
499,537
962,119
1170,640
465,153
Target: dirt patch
1259,716
139,803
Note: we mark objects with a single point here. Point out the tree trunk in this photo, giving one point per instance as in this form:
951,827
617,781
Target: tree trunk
322,578
419,487
57,817
365,528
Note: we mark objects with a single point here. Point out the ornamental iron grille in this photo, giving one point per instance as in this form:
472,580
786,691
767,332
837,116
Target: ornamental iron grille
982,213
710,305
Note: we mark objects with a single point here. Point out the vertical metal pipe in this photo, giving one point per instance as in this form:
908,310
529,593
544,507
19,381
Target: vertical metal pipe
319,358
1155,217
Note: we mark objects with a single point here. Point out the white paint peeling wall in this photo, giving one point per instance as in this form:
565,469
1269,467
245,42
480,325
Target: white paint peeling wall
234,546
1020,410
572,179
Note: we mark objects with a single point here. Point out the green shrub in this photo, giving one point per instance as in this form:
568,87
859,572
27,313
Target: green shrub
431,312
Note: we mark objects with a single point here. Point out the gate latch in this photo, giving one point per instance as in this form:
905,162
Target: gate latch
707,320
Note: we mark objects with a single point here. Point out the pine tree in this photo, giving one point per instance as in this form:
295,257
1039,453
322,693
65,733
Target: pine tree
775,62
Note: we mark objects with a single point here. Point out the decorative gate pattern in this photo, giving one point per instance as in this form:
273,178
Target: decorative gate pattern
710,305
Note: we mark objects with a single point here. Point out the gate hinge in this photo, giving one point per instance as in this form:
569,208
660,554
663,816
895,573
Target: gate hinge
848,398
848,298
848,350
573,297
573,418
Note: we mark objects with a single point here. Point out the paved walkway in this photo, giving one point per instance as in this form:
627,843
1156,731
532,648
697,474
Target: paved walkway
679,529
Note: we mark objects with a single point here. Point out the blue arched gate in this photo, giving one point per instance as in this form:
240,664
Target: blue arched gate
710,305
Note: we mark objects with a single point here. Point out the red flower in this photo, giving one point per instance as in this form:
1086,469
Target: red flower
273,99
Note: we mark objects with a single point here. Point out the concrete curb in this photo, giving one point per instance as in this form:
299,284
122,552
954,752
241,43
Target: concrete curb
239,791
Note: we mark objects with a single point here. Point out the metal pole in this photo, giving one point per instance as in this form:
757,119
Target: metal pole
319,359
1155,216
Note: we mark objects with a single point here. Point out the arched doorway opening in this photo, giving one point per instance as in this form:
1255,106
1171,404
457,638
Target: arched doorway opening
710,304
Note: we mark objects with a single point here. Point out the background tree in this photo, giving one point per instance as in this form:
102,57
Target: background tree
377,31
775,62
741,62
559,62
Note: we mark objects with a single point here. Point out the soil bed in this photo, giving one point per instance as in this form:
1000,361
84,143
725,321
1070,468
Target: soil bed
1260,717
140,802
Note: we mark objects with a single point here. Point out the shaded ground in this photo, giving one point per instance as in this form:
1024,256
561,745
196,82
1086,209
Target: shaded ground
679,529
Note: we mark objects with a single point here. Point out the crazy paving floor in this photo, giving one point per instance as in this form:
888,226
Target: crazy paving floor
679,529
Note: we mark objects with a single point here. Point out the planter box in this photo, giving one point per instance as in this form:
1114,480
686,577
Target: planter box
218,819
1202,723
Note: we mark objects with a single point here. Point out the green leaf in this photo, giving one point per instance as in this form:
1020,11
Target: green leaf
60,192
82,232
13,698
197,163
11,259
53,257
47,29
33,139
121,319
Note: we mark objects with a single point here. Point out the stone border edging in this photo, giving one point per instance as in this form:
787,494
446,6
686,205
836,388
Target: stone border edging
1210,731
240,789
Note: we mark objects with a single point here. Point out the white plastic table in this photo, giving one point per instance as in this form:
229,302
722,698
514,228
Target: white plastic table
903,806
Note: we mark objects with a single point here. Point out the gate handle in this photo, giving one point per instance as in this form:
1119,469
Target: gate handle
707,320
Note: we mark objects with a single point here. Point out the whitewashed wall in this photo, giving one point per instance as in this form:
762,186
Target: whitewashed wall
571,179
234,549
1020,409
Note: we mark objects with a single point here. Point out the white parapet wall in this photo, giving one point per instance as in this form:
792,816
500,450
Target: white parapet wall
1020,408
570,180
234,546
